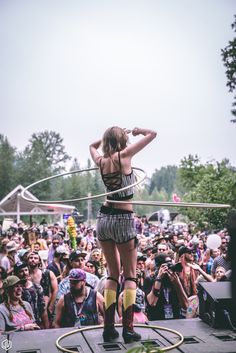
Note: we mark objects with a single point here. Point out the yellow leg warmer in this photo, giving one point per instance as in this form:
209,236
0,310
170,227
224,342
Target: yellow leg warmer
109,297
129,297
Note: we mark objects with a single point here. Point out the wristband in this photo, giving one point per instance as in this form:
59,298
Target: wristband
158,279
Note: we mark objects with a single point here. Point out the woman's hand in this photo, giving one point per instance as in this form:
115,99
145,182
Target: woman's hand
127,131
136,131
162,271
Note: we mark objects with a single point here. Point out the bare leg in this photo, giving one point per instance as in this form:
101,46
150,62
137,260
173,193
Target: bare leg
128,256
111,254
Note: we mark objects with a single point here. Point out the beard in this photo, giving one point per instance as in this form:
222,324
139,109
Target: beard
77,292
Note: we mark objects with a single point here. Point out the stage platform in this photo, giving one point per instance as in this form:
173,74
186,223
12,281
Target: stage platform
198,338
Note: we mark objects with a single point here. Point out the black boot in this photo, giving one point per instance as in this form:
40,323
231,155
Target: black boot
129,335
109,332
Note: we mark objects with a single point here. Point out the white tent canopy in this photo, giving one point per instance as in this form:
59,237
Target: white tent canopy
14,205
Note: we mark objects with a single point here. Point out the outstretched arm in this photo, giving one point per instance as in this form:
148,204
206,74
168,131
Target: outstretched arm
207,277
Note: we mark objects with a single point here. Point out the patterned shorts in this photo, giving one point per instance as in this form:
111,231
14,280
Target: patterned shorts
115,224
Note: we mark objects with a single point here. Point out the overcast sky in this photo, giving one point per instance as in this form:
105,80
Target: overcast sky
79,67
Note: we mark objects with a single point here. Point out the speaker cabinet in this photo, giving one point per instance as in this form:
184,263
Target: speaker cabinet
215,304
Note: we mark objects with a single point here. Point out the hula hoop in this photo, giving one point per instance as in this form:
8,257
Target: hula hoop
164,349
175,204
147,203
81,198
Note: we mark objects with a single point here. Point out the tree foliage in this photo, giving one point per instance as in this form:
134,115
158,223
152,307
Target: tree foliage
216,183
164,179
49,145
7,166
229,60
41,158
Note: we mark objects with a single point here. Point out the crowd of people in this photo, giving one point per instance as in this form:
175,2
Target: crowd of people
45,284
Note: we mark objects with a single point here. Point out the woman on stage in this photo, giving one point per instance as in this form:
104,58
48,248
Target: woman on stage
115,223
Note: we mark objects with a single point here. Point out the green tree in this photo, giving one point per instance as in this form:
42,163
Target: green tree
7,166
165,178
42,157
229,60
217,185
50,145
189,172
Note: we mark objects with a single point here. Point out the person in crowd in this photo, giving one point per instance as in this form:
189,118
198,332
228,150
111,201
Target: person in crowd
89,248
81,306
36,246
115,223
76,260
187,275
91,267
89,236
220,274
98,257
46,279
4,261
224,245
23,254
12,256
162,247
145,225
141,269
222,260
80,244
166,297
58,264
15,314
56,240
33,294
3,275
149,261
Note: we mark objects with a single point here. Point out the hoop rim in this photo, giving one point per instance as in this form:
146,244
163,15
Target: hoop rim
46,202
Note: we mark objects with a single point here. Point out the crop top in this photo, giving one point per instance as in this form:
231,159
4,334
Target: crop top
117,180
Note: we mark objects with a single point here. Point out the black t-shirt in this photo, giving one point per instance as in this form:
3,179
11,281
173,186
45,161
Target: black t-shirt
168,296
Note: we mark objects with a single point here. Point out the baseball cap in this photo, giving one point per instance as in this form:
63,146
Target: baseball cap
19,265
22,252
75,254
11,281
77,274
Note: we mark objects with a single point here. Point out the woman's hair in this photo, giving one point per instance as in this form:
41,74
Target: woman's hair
7,304
114,140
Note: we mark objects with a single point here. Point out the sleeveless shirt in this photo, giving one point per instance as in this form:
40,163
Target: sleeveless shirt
117,180
86,311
